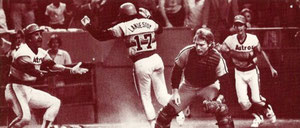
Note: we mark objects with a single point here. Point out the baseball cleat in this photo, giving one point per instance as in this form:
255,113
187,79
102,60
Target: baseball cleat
270,115
180,118
259,119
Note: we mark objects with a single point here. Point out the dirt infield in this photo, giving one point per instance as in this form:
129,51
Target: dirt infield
189,123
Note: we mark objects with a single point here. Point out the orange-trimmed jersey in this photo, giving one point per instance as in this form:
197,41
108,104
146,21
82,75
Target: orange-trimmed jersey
18,71
243,49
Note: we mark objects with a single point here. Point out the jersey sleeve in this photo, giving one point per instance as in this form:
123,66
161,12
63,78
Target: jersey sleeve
257,46
117,30
182,58
225,46
221,68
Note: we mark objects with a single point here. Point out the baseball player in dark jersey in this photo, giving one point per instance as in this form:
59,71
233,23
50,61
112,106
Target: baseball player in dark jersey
243,49
138,33
25,70
204,70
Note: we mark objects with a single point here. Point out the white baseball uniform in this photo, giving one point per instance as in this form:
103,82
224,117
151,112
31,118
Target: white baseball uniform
246,70
20,95
139,36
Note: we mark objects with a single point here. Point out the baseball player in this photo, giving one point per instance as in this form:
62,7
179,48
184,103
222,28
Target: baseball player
138,33
26,67
243,49
204,71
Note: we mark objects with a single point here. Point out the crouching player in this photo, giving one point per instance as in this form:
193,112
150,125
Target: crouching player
24,71
203,70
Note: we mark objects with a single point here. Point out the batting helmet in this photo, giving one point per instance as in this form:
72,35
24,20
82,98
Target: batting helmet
31,28
240,19
205,34
128,9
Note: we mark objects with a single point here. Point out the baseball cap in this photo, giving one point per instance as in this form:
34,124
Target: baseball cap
240,19
31,28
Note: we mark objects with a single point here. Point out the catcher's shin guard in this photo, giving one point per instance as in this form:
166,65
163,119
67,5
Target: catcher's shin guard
221,111
165,117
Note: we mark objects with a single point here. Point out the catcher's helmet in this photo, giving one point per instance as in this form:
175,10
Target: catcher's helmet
240,19
205,34
31,28
128,9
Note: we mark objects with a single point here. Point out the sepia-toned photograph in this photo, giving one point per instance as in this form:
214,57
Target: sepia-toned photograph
149,64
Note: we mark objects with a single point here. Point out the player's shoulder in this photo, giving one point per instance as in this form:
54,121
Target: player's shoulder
230,38
186,49
23,50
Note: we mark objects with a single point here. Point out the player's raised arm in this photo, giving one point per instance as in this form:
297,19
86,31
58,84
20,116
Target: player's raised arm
99,34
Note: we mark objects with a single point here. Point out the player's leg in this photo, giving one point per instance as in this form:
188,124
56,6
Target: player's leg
16,96
160,88
243,99
262,107
241,90
41,99
168,112
158,81
219,108
143,70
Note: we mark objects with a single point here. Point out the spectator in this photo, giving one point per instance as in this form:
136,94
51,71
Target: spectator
59,56
56,13
172,12
4,44
248,14
22,12
273,38
218,15
16,40
193,13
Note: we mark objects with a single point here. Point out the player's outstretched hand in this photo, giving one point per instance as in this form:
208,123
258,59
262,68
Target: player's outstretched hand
77,70
85,20
274,72
176,97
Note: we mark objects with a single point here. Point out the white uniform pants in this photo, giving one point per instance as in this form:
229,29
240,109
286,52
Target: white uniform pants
243,79
151,70
22,97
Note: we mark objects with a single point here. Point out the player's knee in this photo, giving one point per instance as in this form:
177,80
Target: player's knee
165,116
56,104
245,105
163,99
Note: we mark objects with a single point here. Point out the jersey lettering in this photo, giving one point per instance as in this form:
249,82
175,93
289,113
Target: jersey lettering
139,25
241,47
37,60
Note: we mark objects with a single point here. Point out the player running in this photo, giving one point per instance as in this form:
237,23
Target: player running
138,33
25,71
243,48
